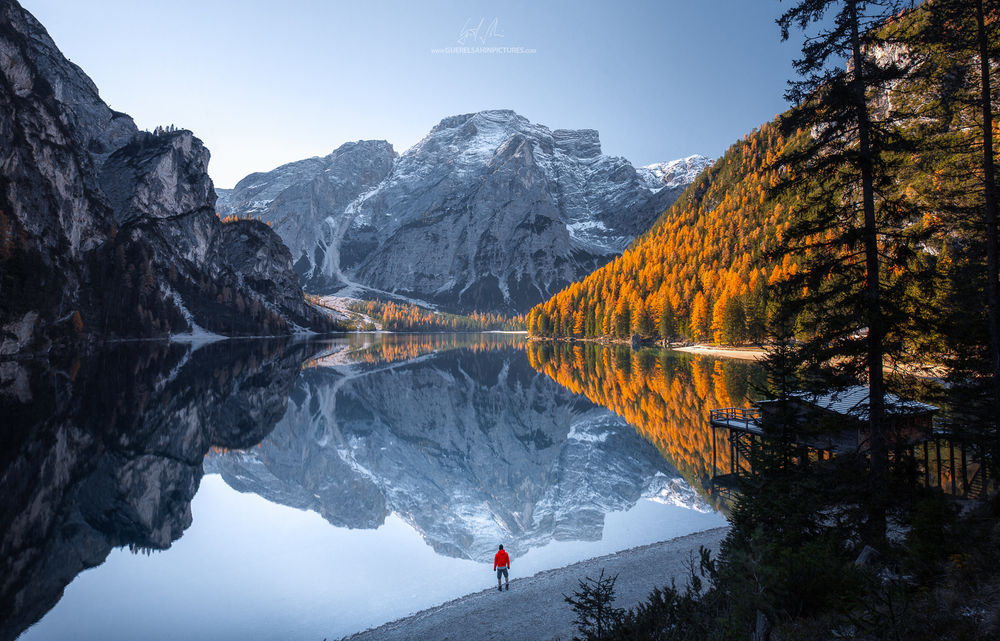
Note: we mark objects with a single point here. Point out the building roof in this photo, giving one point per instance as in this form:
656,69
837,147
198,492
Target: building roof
853,401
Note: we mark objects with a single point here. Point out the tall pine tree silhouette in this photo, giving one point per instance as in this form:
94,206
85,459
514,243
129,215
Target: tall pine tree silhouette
961,39
842,219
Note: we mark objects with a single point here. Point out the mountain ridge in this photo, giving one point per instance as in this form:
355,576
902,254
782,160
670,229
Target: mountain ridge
488,212
702,269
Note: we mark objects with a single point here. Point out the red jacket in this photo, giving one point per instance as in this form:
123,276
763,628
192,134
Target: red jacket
501,560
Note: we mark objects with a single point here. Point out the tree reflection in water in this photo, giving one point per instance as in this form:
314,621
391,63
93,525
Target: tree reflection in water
665,395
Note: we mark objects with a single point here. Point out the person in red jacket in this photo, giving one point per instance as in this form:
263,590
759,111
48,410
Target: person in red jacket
501,562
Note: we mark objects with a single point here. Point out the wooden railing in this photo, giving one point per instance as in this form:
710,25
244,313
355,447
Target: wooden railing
742,414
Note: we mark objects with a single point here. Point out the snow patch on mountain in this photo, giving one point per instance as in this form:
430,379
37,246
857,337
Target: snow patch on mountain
487,212
674,174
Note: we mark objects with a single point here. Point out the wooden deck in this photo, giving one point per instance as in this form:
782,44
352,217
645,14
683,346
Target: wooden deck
743,419
944,463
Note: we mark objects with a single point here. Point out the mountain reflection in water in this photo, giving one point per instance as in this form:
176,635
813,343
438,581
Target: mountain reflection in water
468,439
469,447
106,451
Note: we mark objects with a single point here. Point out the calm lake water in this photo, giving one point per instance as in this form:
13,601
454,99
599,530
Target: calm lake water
307,490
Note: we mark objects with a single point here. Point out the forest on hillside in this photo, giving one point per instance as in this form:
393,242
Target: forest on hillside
701,272
856,238
709,268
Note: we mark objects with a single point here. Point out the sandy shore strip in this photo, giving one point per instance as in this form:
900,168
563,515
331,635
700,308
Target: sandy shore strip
920,370
533,609
743,353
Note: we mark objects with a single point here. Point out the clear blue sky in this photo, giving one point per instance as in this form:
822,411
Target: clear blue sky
263,83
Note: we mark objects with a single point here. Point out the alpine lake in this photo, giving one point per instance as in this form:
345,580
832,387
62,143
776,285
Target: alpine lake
309,489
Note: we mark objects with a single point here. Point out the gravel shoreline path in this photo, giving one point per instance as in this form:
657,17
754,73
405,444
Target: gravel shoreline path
533,609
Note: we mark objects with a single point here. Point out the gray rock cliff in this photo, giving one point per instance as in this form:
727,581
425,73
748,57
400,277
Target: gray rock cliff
488,212
106,230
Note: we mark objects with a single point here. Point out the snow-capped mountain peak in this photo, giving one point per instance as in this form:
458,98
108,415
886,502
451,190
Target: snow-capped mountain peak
487,212
674,174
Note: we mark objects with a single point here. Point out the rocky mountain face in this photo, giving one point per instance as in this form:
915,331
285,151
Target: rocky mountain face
469,448
108,230
488,212
668,180
107,451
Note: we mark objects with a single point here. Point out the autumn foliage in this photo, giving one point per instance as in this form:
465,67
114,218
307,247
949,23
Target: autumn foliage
233,218
400,317
665,396
394,348
701,272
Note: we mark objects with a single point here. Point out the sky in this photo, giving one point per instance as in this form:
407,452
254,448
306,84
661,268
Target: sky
263,83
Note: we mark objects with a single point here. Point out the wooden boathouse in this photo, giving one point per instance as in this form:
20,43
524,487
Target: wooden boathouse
836,422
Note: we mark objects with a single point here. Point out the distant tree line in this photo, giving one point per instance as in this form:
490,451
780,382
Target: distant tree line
161,130
399,317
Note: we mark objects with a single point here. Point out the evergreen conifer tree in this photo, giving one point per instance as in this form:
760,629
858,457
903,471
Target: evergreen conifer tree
850,303
960,41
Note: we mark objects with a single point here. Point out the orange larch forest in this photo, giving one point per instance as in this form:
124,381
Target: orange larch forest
701,272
